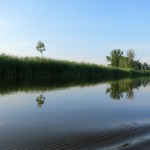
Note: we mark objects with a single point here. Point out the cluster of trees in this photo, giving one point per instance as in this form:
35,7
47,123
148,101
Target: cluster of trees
117,59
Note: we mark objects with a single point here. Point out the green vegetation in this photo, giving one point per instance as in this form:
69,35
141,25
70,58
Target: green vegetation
35,68
40,47
117,59
40,69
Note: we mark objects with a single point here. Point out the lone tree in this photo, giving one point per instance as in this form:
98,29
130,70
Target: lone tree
40,47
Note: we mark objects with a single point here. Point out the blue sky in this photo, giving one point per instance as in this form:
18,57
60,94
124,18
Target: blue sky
78,30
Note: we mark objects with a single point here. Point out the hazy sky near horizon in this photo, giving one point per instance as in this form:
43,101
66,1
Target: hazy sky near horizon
78,30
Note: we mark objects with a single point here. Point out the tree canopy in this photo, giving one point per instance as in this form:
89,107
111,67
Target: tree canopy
115,56
130,56
40,47
117,59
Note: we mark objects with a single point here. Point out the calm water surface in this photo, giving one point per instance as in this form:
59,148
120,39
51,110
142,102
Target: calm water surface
112,116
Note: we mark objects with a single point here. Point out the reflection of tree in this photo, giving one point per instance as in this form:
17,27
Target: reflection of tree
117,89
40,100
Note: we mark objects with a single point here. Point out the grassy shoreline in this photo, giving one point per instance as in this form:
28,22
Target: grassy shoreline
35,68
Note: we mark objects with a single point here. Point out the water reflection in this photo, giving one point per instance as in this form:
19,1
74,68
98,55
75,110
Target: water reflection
12,87
40,100
118,89
76,118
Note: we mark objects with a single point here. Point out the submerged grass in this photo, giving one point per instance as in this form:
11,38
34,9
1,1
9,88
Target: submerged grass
35,69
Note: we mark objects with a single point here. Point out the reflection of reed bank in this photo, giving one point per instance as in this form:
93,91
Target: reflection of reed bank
126,87
116,90
11,87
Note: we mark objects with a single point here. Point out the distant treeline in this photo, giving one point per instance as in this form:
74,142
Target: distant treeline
36,69
117,59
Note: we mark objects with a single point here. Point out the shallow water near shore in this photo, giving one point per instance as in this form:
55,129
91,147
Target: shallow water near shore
111,115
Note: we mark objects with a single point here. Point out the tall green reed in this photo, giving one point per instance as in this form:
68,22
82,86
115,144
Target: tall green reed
35,68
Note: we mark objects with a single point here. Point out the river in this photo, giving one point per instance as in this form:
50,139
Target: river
110,115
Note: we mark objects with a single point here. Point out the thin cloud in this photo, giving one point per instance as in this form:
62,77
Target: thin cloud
3,24
129,46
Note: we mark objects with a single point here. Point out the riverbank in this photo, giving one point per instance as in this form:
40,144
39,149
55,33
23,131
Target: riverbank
35,68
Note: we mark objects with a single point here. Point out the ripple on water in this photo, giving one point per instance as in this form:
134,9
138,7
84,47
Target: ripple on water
128,137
